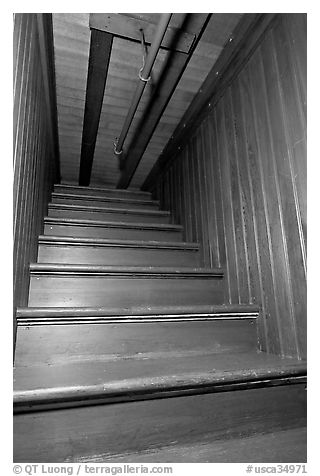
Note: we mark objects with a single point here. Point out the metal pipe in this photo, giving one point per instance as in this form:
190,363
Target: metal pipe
145,73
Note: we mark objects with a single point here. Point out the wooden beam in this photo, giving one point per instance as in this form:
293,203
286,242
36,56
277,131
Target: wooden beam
232,59
45,34
100,50
128,26
170,76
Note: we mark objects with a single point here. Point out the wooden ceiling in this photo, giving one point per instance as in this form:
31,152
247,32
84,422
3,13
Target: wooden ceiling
72,43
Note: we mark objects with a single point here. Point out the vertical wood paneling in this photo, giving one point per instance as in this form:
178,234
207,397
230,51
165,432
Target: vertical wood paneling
197,152
203,197
191,192
272,142
186,196
225,260
196,193
227,205
244,174
237,199
249,213
183,208
267,223
215,185
209,188
35,161
296,29
176,174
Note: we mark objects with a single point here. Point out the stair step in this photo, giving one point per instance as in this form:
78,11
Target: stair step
66,285
112,230
283,446
99,408
93,200
73,343
58,249
30,316
107,213
89,380
102,192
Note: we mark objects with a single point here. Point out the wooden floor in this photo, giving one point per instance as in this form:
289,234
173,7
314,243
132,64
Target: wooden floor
106,431
278,447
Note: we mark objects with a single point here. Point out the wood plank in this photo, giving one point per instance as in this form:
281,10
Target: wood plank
237,204
108,213
61,344
249,214
86,379
100,50
283,446
102,192
44,26
296,55
163,313
227,204
294,205
110,291
296,27
265,259
172,71
116,252
109,430
35,153
203,199
112,230
127,26
210,196
113,202
291,265
85,285
216,177
186,195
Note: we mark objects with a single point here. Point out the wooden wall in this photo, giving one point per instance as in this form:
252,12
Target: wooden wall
35,146
239,185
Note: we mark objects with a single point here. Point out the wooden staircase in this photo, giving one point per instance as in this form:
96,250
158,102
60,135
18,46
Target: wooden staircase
127,352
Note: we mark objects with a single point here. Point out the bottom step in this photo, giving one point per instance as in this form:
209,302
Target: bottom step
105,432
100,378
286,446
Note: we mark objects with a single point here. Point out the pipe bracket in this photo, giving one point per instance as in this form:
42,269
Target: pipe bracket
115,144
146,80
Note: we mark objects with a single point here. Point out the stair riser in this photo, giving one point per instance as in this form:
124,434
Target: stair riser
111,193
117,256
56,344
107,215
69,291
98,432
113,233
106,203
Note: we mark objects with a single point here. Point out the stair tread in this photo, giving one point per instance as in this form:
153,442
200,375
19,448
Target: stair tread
52,239
103,189
117,224
283,446
141,270
128,211
218,309
145,375
128,200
